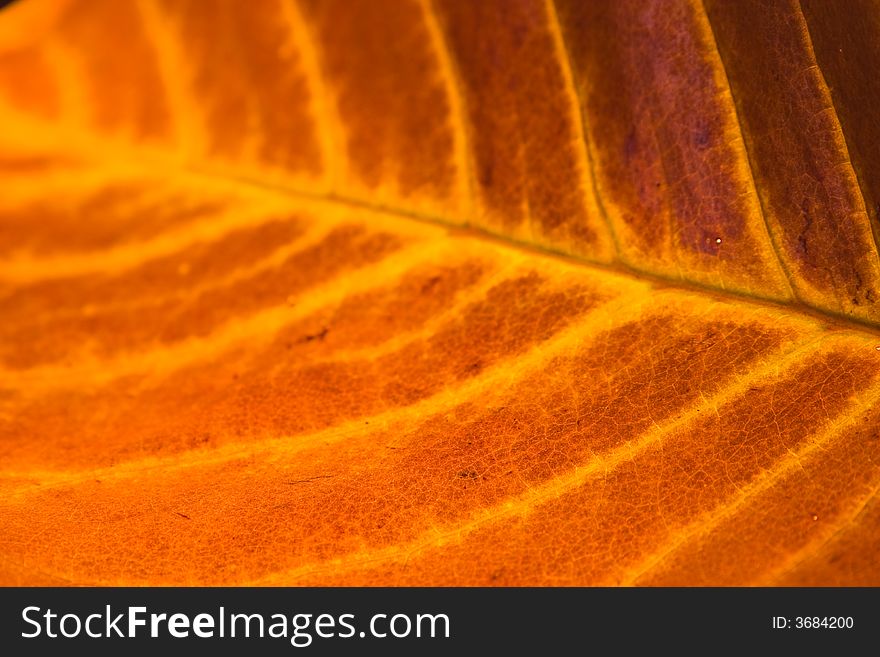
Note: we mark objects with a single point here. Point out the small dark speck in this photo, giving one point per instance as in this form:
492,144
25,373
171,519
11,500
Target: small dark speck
630,145
183,515
309,480
467,474
430,283
486,174
701,137
320,335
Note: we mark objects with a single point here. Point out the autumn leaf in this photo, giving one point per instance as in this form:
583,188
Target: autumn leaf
439,292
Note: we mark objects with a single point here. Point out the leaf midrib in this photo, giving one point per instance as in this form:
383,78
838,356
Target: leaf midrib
618,267
148,160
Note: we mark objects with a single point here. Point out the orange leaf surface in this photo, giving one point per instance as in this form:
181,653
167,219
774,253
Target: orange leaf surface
435,292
